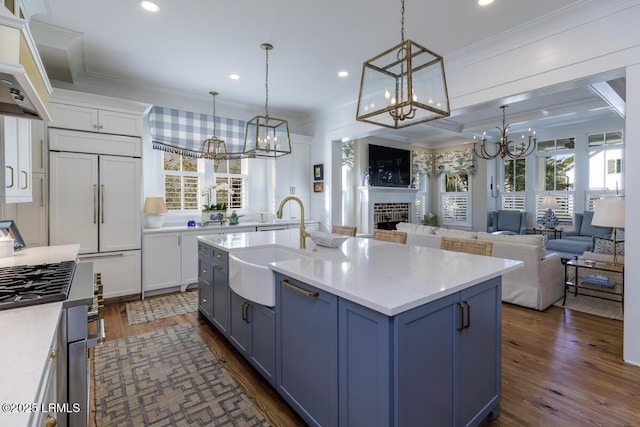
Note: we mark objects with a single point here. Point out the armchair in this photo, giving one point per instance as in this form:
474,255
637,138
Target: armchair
507,222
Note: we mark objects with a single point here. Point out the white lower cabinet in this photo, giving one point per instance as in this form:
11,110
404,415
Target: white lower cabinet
161,261
121,273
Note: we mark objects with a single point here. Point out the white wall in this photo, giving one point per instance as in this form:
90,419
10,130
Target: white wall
588,39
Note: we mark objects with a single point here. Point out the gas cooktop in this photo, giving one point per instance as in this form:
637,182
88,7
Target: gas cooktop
26,285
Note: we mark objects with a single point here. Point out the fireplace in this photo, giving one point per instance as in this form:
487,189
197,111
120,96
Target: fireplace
384,207
387,215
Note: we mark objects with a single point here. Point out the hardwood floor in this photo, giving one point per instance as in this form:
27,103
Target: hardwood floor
559,368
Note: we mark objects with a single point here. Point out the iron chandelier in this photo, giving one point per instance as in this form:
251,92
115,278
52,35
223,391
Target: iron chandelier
504,147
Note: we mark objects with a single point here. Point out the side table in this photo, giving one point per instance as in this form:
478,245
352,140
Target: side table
604,287
555,232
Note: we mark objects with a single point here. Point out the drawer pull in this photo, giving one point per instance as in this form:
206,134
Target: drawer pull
219,256
302,291
204,271
53,354
204,300
204,249
50,421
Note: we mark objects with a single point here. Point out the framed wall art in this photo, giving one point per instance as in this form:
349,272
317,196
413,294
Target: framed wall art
317,172
318,187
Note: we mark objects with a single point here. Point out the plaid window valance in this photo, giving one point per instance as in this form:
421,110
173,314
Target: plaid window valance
456,162
183,132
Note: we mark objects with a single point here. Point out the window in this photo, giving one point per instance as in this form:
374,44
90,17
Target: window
556,175
422,197
181,181
513,197
229,184
605,166
455,200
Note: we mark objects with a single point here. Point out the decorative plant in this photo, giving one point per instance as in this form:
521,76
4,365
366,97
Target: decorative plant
215,207
431,219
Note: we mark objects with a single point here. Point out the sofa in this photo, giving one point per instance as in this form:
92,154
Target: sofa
537,284
580,239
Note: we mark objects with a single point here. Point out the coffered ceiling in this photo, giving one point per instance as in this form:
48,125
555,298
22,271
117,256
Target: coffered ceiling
192,47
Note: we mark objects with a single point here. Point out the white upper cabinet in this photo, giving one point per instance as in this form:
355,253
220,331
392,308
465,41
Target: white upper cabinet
293,178
67,116
15,160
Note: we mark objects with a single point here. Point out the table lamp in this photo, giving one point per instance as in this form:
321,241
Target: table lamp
155,208
549,220
609,213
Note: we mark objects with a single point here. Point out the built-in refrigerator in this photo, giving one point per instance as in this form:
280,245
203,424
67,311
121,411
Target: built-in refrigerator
95,200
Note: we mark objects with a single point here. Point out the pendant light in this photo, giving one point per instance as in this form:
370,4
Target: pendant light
214,148
403,86
265,136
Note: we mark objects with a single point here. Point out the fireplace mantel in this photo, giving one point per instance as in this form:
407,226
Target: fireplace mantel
372,195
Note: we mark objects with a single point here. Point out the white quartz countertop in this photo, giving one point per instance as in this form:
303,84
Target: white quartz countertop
215,228
41,255
26,336
25,343
386,277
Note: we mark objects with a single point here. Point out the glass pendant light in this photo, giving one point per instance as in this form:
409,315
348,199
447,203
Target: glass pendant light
266,136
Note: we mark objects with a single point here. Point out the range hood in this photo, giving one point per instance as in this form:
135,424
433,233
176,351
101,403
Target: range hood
24,85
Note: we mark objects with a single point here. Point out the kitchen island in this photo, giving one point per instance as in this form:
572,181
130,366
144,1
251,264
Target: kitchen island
371,333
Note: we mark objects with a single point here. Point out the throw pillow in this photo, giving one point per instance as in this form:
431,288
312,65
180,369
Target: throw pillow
603,245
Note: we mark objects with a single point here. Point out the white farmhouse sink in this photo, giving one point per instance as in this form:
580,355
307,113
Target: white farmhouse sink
250,275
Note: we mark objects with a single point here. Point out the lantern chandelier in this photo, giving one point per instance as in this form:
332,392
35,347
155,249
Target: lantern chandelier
265,136
403,86
504,147
214,147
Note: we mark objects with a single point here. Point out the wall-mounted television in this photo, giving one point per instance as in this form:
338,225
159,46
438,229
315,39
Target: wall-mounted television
389,167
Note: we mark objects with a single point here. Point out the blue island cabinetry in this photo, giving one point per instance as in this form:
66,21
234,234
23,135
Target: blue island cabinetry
341,364
338,363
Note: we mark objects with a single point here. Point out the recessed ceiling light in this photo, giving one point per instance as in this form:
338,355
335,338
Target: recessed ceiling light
484,2
149,5
343,73
234,76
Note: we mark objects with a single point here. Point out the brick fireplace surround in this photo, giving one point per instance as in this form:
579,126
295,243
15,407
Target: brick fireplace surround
395,204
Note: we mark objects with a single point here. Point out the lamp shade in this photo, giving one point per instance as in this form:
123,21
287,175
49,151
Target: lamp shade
549,202
154,205
608,213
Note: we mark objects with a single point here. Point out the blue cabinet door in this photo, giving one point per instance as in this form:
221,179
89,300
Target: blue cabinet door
262,352
307,350
365,364
205,288
424,362
239,333
479,353
220,314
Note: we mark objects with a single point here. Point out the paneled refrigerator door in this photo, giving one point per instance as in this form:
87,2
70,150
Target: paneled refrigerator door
73,215
120,203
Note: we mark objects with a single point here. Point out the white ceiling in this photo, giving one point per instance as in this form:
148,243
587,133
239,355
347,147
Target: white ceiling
193,46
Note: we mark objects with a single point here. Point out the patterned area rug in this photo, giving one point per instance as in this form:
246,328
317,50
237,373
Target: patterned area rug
162,306
595,306
168,377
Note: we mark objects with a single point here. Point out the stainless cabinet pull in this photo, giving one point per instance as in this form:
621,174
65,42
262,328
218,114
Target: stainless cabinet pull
102,202
465,315
88,258
26,180
302,291
461,311
245,312
95,204
11,169
468,310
